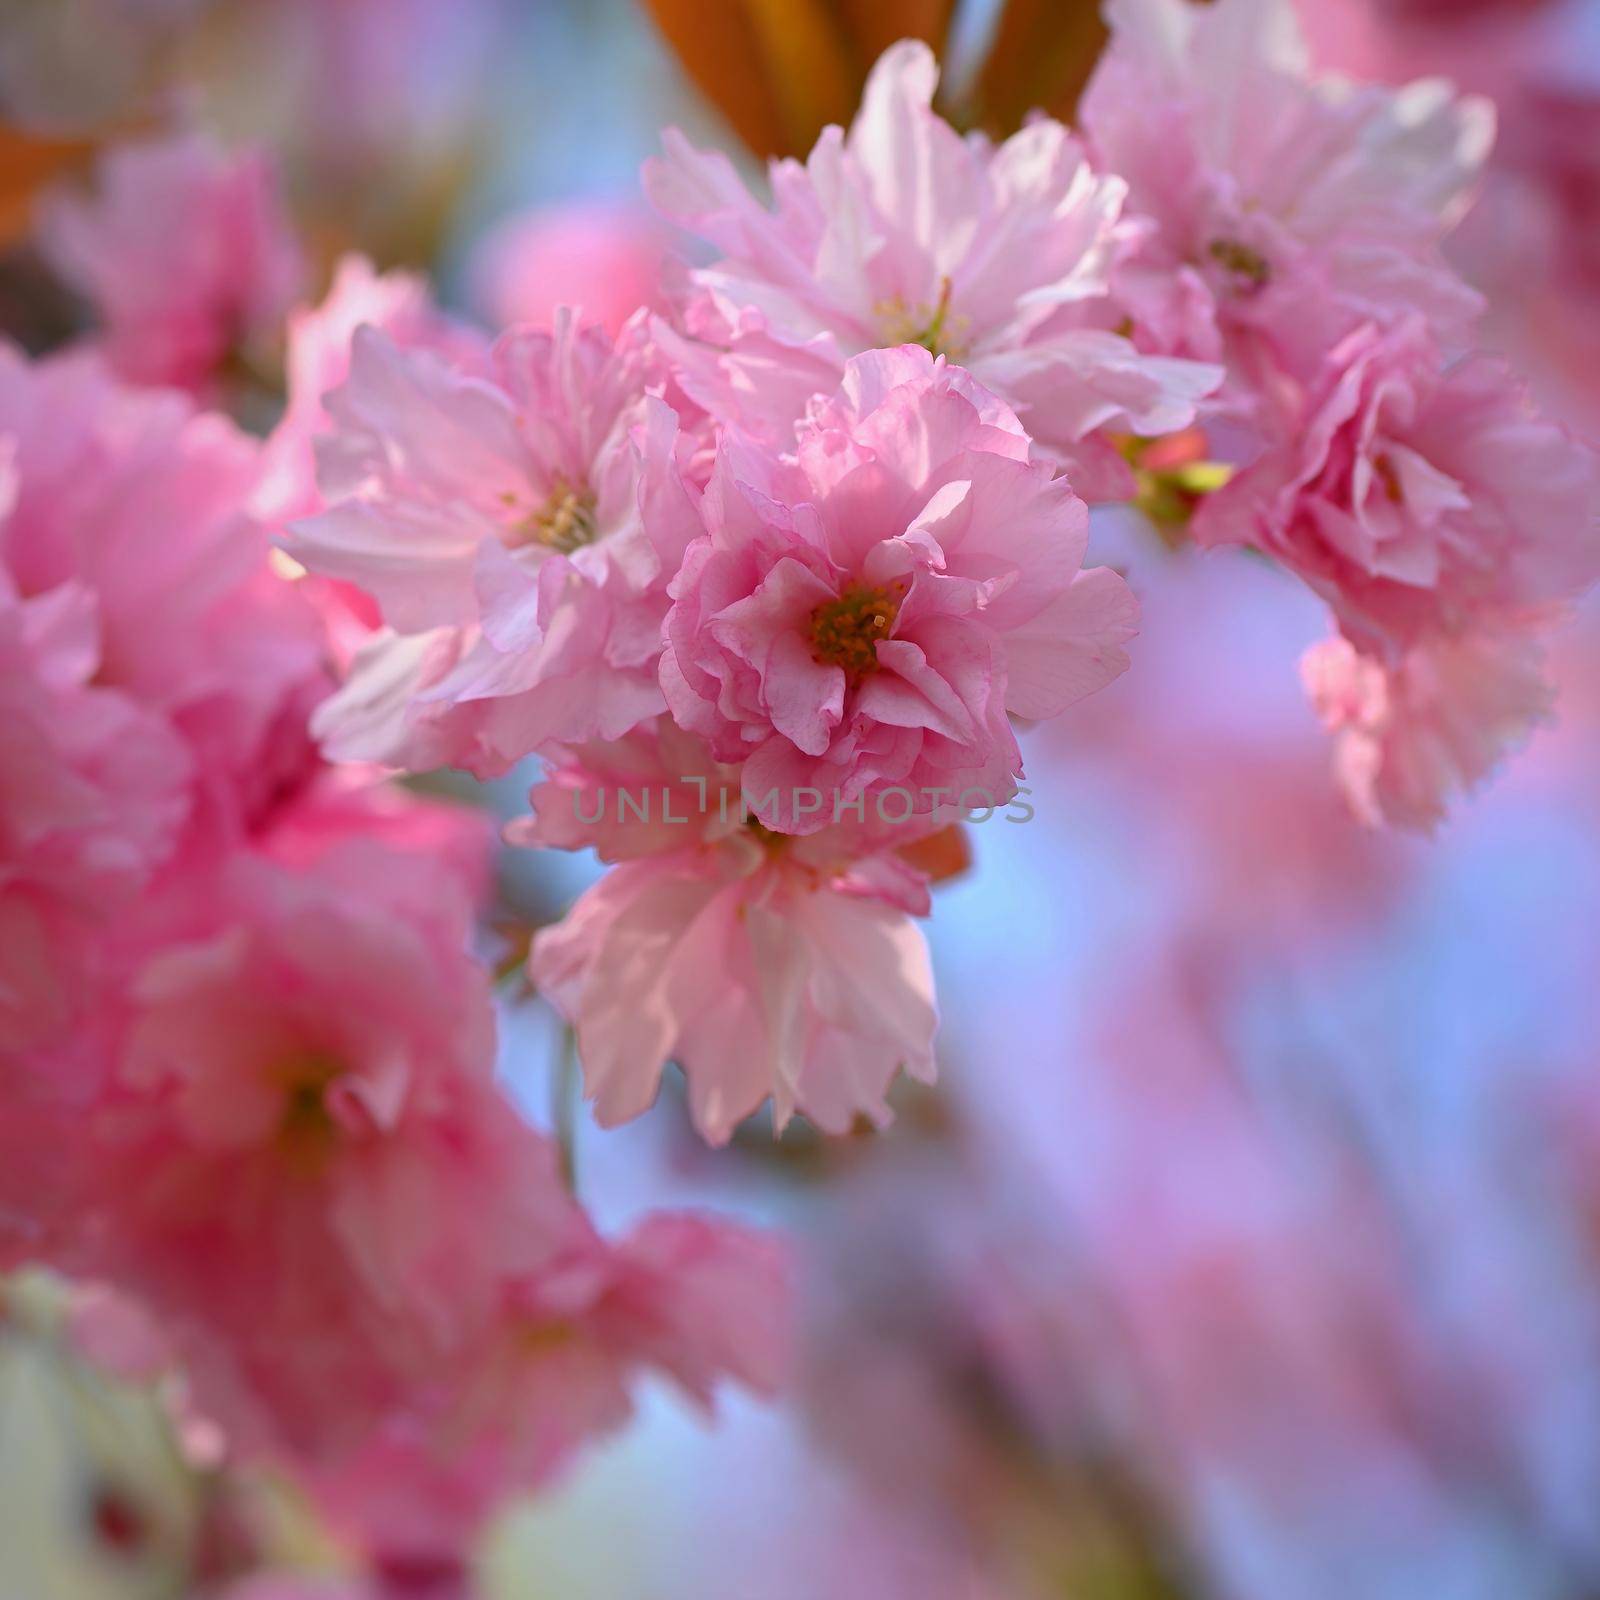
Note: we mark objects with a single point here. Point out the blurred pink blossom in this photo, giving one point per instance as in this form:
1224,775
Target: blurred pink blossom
185,255
604,258
1416,496
1414,733
157,679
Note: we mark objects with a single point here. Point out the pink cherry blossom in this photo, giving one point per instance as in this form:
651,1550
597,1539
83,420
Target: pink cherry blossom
686,1297
1259,176
141,500
185,254
864,616
369,1263
1413,735
93,792
155,679
318,362
765,965
902,231
695,1298
303,1135
1418,496
160,675
517,532
604,256
1446,523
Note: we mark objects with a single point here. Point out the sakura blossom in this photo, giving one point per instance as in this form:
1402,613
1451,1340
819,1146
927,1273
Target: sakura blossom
129,508
606,257
95,793
868,614
185,253
1259,174
1413,734
517,532
691,1299
315,1157
834,878
318,362
1417,495
1448,526
767,964
901,231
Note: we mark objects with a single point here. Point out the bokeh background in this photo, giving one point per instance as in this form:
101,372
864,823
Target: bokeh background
1250,1244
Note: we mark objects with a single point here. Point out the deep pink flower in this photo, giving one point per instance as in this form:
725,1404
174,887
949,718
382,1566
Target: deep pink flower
517,531
138,502
1262,179
371,1267
155,681
157,676
764,964
901,231
685,1297
1417,496
303,1164
1412,735
864,616
185,254
94,789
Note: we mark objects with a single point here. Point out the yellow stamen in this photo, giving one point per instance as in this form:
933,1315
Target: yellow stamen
938,331
845,632
565,522
1242,261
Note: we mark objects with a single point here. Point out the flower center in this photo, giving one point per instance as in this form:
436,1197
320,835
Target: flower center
306,1124
565,522
845,632
1389,477
542,1336
1242,261
938,331
768,838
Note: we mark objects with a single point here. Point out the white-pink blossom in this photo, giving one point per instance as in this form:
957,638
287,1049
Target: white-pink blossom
517,530
902,231
766,965
1263,180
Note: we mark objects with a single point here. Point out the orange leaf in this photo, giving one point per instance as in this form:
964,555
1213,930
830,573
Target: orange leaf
778,70
1041,58
811,65
874,25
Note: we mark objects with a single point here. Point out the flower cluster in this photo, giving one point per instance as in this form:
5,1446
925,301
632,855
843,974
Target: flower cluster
798,553
766,577
247,1047
818,535
1295,230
